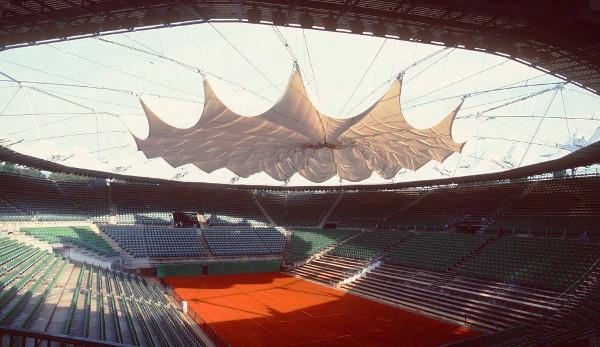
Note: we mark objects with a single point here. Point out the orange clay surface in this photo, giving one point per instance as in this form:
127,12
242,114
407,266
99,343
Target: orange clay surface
275,309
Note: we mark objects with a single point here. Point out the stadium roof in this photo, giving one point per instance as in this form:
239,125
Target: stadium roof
559,36
294,137
78,103
586,156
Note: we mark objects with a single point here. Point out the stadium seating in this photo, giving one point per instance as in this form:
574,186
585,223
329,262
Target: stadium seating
483,305
437,209
273,238
157,241
297,208
487,282
154,204
330,269
368,209
547,263
10,213
93,196
165,242
367,245
306,242
435,251
587,314
131,239
149,204
83,237
44,292
230,206
243,240
556,207
39,197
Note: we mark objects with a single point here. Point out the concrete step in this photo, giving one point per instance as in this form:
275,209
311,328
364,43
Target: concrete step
59,317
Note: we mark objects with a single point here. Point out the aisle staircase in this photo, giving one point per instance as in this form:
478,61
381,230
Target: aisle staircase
264,211
205,244
453,270
68,197
505,207
331,209
577,295
333,245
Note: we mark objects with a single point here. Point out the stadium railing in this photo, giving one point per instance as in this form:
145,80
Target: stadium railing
25,337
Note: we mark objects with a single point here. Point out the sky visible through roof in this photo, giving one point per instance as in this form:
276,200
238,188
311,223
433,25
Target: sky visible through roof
76,102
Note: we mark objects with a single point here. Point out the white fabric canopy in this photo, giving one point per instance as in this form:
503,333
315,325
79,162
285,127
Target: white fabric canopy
293,136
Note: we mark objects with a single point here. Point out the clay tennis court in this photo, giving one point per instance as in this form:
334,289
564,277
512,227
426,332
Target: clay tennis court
274,309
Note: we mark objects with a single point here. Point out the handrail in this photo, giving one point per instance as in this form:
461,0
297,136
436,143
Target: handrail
15,333
574,284
578,281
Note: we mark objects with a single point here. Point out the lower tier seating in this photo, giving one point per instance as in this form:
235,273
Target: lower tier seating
157,241
431,273
330,269
306,242
540,262
243,240
44,292
435,251
273,238
588,313
561,337
80,236
486,306
369,244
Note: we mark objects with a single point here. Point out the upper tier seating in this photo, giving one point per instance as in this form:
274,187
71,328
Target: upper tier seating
297,208
368,209
306,242
369,244
38,196
150,204
79,236
46,293
154,204
555,207
230,206
243,240
157,241
435,251
548,263
92,196
10,213
437,208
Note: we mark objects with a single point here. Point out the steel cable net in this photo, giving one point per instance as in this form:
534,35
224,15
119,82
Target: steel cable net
78,103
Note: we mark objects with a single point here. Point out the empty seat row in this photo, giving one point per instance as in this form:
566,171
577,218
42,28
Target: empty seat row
47,293
157,241
80,236
243,240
